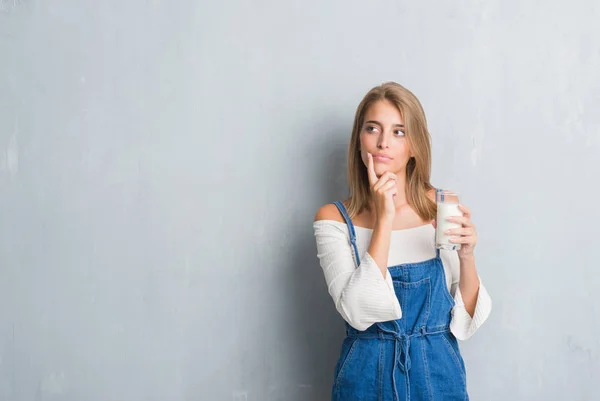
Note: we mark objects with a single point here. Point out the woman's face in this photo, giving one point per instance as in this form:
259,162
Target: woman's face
382,133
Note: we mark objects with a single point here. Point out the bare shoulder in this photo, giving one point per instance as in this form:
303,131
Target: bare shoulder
329,212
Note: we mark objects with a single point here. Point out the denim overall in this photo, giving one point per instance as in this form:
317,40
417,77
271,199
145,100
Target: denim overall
412,358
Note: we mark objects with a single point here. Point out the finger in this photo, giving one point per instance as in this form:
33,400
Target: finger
389,185
460,231
465,210
463,240
393,185
389,176
371,170
392,191
386,177
465,221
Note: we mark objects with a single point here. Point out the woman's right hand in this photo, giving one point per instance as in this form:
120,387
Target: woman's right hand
383,190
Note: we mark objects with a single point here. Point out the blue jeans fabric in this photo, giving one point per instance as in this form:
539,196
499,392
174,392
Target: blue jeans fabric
412,358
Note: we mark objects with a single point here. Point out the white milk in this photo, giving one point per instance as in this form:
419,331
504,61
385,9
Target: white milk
446,210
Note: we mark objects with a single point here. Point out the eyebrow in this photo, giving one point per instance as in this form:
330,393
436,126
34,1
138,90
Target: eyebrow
378,123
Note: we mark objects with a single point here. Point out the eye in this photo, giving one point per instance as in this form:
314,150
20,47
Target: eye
370,128
399,132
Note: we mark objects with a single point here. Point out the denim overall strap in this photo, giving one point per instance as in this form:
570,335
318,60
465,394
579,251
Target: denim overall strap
346,217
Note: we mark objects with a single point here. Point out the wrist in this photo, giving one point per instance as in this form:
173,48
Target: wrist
383,224
467,257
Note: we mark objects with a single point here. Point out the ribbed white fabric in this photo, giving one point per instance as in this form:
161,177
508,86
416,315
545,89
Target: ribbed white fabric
361,294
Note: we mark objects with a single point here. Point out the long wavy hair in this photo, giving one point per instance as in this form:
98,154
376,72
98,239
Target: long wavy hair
418,168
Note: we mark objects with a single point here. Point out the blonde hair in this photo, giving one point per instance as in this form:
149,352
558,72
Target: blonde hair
418,169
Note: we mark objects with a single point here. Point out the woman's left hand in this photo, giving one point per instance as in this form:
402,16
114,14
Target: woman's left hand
466,235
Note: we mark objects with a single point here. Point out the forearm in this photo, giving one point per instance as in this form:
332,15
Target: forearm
379,248
469,283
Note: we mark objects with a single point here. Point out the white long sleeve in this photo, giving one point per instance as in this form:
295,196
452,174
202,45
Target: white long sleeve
462,324
361,295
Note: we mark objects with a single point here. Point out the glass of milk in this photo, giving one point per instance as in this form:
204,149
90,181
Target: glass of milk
447,205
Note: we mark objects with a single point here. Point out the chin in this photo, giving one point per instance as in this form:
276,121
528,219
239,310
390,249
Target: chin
391,169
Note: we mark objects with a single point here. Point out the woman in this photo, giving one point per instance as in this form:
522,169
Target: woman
404,302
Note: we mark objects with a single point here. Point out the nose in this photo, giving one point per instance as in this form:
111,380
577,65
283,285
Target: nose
382,142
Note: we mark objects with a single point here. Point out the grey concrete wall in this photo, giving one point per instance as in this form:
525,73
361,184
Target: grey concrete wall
161,163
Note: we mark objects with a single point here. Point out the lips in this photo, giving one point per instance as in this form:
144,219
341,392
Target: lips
381,157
